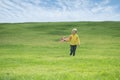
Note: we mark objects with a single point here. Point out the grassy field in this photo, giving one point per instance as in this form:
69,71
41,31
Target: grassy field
32,51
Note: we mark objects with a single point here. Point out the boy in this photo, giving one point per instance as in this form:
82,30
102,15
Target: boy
74,41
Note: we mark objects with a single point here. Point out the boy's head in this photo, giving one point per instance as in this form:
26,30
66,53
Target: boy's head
74,31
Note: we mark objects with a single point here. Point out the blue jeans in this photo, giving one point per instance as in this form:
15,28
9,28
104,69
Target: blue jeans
73,49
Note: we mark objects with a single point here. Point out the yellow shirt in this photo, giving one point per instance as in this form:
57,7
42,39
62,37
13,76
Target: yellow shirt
74,39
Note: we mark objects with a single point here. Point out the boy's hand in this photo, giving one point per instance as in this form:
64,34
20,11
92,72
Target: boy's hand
63,39
78,44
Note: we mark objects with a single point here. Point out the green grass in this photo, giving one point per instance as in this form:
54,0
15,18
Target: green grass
32,51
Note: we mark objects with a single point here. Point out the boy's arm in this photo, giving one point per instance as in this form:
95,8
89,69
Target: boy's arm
68,39
78,40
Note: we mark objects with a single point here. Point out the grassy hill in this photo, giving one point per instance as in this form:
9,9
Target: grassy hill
32,51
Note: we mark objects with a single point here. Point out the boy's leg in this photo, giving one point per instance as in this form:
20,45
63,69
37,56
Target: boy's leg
71,50
74,49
